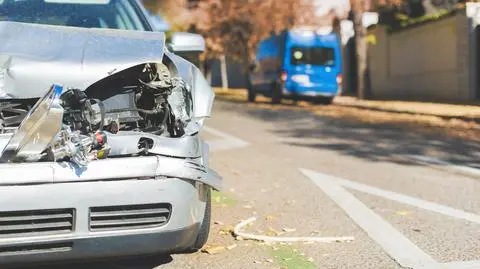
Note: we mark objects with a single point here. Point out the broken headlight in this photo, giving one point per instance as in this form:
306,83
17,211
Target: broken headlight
37,130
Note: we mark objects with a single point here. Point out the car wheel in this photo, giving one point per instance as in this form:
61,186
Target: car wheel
276,93
252,95
204,231
323,100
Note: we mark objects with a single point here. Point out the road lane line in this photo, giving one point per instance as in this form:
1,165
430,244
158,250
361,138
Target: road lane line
226,142
408,200
397,246
466,170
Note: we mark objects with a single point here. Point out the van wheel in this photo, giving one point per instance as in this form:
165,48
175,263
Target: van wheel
204,231
252,94
322,100
276,93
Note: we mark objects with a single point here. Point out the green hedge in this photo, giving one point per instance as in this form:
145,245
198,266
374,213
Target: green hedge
407,23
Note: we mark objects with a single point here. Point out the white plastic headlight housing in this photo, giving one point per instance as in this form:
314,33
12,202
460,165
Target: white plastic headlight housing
302,79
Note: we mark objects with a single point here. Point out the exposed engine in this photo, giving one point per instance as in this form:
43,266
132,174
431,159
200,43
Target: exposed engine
144,98
143,105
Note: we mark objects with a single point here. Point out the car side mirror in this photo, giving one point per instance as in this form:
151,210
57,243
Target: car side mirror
187,42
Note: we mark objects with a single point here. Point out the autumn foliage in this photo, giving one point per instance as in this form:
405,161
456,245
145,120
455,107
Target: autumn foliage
234,27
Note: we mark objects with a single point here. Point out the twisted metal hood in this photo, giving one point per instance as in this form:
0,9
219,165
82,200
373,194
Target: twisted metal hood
34,56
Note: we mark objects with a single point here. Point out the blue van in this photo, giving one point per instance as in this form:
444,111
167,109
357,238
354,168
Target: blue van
300,64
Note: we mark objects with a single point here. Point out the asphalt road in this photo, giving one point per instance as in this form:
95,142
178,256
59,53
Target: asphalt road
317,176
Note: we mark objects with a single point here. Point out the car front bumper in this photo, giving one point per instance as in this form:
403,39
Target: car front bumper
54,219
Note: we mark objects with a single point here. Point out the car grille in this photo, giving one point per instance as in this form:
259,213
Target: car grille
36,222
129,216
36,249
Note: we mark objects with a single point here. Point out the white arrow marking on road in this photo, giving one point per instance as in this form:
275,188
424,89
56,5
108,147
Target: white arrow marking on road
226,142
408,200
399,247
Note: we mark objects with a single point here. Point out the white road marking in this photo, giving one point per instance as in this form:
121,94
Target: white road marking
466,170
408,200
463,265
226,142
397,246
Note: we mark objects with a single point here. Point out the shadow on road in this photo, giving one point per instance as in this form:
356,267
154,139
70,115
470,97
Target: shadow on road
131,263
370,141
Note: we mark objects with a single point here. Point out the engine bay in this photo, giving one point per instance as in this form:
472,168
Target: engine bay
124,114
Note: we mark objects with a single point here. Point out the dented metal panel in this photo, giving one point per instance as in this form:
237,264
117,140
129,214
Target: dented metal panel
112,169
122,113
35,56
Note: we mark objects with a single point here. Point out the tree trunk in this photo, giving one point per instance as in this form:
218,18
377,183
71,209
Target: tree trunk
223,71
361,49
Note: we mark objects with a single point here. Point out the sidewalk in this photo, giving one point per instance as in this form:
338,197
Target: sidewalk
461,121
445,111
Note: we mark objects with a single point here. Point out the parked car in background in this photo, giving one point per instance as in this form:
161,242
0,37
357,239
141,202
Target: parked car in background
100,152
299,63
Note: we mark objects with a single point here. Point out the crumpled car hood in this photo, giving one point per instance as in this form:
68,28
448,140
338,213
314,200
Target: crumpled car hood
34,56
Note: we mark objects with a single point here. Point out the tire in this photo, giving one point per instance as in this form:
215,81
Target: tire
204,230
252,95
322,100
276,93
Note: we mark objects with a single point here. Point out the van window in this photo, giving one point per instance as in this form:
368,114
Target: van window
312,55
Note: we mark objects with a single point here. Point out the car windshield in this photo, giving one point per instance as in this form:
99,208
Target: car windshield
114,14
313,55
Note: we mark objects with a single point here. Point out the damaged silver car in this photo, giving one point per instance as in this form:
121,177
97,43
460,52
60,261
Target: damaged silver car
100,153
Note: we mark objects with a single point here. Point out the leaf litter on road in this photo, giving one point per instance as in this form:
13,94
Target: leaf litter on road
232,246
463,126
287,257
223,199
213,249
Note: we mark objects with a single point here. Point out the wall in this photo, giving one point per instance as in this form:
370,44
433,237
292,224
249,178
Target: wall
237,77
429,62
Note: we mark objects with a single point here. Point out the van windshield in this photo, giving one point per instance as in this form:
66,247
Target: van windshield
113,14
321,56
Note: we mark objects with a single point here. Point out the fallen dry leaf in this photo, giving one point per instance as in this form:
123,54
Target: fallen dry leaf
273,232
213,250
227,229
403,213
232,246
269,218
